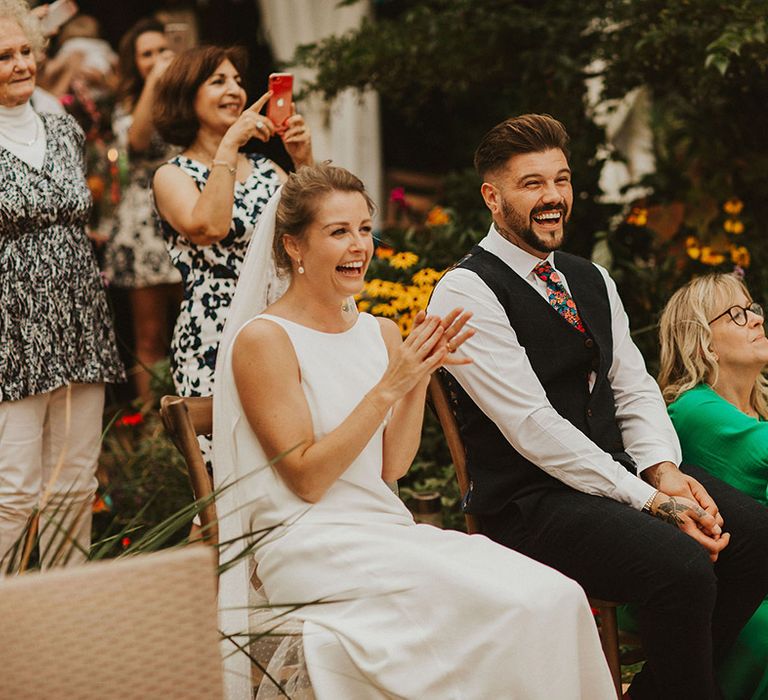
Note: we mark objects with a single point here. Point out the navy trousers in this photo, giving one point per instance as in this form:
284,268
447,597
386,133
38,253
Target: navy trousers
690,611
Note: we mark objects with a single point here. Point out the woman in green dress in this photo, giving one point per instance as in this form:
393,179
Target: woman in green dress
713,355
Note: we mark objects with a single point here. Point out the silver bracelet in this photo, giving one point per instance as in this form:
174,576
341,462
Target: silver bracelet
647,507
224,164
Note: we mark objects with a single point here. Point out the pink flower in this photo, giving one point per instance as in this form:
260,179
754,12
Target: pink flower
398,195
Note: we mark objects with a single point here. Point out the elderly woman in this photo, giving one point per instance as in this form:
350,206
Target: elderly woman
57,347
713,355
136,258
210,197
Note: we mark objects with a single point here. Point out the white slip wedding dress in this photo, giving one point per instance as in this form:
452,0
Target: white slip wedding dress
405,610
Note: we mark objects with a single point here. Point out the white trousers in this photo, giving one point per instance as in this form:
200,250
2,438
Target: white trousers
49,449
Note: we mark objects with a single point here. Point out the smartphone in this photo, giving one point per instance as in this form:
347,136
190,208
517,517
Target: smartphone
59,13
179,36
279,107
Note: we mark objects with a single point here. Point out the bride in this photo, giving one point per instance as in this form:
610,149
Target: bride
335,399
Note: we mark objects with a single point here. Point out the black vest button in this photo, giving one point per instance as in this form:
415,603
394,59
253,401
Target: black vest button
589,412
588,343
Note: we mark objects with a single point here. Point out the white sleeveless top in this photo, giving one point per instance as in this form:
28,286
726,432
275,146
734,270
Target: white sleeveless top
337,370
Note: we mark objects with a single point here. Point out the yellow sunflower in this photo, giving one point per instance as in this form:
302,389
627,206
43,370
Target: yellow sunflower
402,261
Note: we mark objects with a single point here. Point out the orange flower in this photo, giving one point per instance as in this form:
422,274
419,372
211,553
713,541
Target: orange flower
733,206
384,251
740,256
711,257
100,505
733,226
693,247
96,186
437,217
638,216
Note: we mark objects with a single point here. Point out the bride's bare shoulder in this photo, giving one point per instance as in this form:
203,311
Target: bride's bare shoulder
260,330
264,342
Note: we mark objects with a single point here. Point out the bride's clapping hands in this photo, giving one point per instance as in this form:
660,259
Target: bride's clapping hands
415,359
454,336
431,343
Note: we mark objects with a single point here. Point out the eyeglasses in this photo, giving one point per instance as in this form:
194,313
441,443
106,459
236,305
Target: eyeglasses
738,314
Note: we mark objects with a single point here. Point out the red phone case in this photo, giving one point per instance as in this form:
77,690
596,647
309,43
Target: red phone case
279,107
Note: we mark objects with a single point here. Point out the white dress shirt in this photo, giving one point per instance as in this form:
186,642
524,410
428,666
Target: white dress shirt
502,383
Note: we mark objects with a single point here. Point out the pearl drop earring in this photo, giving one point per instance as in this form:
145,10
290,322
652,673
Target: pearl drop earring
300,269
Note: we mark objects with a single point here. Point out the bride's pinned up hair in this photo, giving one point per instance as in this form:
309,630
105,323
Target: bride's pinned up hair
299,202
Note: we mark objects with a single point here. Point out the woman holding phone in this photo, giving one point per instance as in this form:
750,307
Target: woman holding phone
136,258
211,195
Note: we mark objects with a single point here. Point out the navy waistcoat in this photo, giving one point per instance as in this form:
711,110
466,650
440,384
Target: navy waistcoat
562,358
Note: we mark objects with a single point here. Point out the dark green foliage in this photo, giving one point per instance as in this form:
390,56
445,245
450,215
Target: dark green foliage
705,63
447,71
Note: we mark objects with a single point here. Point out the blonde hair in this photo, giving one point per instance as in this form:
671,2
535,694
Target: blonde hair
687,357
299,202
18,11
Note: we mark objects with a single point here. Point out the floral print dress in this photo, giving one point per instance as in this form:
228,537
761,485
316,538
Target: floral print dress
136,255
209,274
55,325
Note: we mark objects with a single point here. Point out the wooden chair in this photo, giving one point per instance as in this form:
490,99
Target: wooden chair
184,419
443,407
137,627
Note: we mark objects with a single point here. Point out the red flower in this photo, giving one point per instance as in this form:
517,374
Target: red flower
131,419
125,542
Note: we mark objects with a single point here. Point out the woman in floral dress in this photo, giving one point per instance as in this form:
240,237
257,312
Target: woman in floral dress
136,258
210,196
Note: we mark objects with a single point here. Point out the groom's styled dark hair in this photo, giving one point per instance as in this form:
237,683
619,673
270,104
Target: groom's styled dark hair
528,133
299,201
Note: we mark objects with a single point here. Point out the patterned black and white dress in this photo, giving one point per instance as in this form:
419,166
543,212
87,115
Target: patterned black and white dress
55,325
209,274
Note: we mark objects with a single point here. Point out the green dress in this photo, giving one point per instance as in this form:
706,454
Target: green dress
718,437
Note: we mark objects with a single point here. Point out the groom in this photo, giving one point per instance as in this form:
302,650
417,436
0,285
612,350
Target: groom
572,458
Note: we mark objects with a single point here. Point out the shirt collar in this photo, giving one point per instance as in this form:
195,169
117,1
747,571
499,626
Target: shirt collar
521,261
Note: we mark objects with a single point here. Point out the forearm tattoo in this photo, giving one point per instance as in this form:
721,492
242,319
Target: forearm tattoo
653,476
670,511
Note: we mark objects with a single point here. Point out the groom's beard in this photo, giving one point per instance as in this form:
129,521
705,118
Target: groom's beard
514,225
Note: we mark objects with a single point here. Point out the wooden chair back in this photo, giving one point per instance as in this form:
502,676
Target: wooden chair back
444,407
184,419
445,411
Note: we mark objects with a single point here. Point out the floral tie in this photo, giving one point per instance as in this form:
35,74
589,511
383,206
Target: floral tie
558,297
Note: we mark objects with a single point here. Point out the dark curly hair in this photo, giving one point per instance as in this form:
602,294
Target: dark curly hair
174,114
